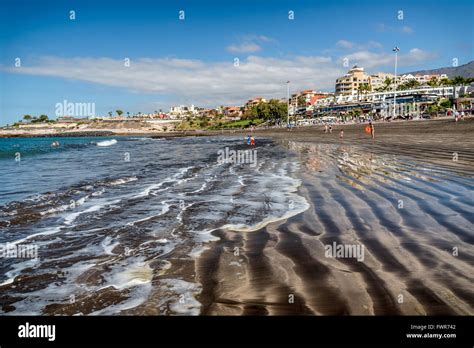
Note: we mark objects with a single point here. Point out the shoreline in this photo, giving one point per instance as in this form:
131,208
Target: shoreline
102,133
106,132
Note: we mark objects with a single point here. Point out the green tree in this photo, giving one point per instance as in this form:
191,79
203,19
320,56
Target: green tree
445,82
459,80
410,84
301,101
446,104
204,122
110,113
433,108
119,112
387,83
27,117
43,118
363,88
434,82
276,110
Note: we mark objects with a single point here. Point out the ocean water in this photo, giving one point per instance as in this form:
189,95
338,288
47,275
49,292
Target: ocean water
109,217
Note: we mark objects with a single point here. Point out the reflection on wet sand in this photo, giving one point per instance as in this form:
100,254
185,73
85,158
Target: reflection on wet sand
414,221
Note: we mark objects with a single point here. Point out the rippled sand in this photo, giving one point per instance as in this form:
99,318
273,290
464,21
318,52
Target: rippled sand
403,197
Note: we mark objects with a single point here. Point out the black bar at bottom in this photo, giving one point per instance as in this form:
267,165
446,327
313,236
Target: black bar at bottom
291,331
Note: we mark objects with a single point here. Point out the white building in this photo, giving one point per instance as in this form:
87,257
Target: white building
183,110
378,80
422,79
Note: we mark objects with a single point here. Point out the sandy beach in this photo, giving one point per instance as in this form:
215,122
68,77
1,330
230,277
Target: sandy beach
401,196
169,230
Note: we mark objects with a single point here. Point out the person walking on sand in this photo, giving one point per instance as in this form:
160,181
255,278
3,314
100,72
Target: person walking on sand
341,134
330,128
325,129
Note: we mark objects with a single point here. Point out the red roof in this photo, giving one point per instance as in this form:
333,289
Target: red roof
316,97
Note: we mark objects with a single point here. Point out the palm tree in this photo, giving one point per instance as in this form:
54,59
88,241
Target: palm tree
110,113
388,82
445,82
410,84
459,80
362,89
128,113
367,88
434,82
119,112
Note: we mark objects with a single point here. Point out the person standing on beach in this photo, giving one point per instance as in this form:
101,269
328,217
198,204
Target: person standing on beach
330,128
341,134
372,129
325,129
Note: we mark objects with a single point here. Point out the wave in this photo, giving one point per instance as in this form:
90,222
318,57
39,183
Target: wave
107,142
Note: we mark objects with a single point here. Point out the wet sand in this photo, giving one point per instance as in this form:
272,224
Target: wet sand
404,196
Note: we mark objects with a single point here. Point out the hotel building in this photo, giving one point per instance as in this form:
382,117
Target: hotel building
182,110
350,82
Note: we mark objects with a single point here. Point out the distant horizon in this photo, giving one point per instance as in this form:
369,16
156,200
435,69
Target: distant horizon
143,59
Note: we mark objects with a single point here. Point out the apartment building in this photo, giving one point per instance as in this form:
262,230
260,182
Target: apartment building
254,101
350,82
378,80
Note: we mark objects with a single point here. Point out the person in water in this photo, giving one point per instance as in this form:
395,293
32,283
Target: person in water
252,141
248,139
55,143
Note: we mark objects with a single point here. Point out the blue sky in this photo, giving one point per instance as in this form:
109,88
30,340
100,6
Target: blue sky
176,61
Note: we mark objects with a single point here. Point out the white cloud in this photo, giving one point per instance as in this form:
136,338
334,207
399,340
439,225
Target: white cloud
381,27
246,47
344,44
249,43
374,44
199,82
261,38
370,60
215,83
